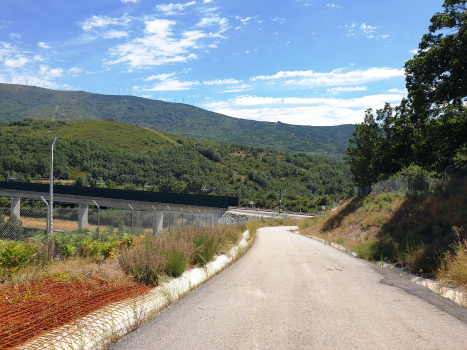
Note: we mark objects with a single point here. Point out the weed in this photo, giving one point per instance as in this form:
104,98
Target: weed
176,262
454,267
14,255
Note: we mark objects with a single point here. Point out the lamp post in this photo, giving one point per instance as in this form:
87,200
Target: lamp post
51,199
280,199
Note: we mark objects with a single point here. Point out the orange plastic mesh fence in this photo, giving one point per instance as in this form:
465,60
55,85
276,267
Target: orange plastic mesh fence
29,309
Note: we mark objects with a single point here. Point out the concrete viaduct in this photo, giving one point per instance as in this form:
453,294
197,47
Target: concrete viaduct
210,208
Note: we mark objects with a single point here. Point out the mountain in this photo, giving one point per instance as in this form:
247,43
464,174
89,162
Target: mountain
132,157
23,101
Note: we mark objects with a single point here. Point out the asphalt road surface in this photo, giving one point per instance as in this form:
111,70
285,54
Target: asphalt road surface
292,292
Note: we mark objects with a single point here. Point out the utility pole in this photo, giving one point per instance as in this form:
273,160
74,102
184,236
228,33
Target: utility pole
51,199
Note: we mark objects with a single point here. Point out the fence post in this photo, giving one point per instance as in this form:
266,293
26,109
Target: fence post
98,219
153,221
132,216
182,216
170,217
47,231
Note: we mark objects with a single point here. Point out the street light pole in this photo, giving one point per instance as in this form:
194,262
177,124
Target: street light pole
51,199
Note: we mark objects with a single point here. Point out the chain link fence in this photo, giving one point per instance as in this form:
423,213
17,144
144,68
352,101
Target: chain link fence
449,180
21,223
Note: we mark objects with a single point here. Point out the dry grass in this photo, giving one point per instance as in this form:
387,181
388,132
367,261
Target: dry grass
454,267
80,268
413,230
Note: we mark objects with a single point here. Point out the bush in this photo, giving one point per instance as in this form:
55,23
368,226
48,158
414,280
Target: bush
14,255
176,262
144,263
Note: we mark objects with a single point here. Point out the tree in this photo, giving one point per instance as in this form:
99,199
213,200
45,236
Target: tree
362,154
437,84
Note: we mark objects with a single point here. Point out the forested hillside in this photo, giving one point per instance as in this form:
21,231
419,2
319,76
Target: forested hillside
20,101
126,156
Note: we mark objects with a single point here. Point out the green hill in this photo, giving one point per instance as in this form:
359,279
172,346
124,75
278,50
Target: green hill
20,101
106,133
132,157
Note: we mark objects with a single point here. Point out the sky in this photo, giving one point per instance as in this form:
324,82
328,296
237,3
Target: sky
305,62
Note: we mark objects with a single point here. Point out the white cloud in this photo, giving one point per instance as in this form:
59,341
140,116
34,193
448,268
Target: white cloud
277,19
104,21
15,35
174,9
43,45
302,111
134,1
414,51
16,62
46,73
398,91
355,30
243,20
161,44
339,89
214,20
111,34
221,82
160,77
38,58
334,6
172,85
335,77
207,1
75,70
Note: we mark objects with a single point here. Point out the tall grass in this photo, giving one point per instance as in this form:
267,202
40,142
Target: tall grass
454,267
173,253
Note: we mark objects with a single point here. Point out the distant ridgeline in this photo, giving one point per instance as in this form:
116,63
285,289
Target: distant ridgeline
20,101
109,154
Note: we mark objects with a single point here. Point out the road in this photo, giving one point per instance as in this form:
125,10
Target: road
292,292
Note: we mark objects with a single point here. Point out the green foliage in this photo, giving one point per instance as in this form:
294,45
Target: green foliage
144,262
18,102
176,262
14,255
429,128
205,246
250,173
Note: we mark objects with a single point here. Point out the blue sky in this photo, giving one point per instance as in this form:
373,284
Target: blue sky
307,62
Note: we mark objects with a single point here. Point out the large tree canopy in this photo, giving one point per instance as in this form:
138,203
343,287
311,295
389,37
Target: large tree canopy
429,128
437,74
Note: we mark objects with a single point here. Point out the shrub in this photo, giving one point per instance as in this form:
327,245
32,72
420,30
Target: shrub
144,262
176,262
14,255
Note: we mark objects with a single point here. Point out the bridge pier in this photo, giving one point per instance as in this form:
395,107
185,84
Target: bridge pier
158,222
16,207
83,213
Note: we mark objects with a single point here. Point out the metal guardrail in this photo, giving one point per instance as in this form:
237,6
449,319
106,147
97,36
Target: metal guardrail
274,212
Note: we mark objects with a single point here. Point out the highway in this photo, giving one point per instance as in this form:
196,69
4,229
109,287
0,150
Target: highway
292,292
